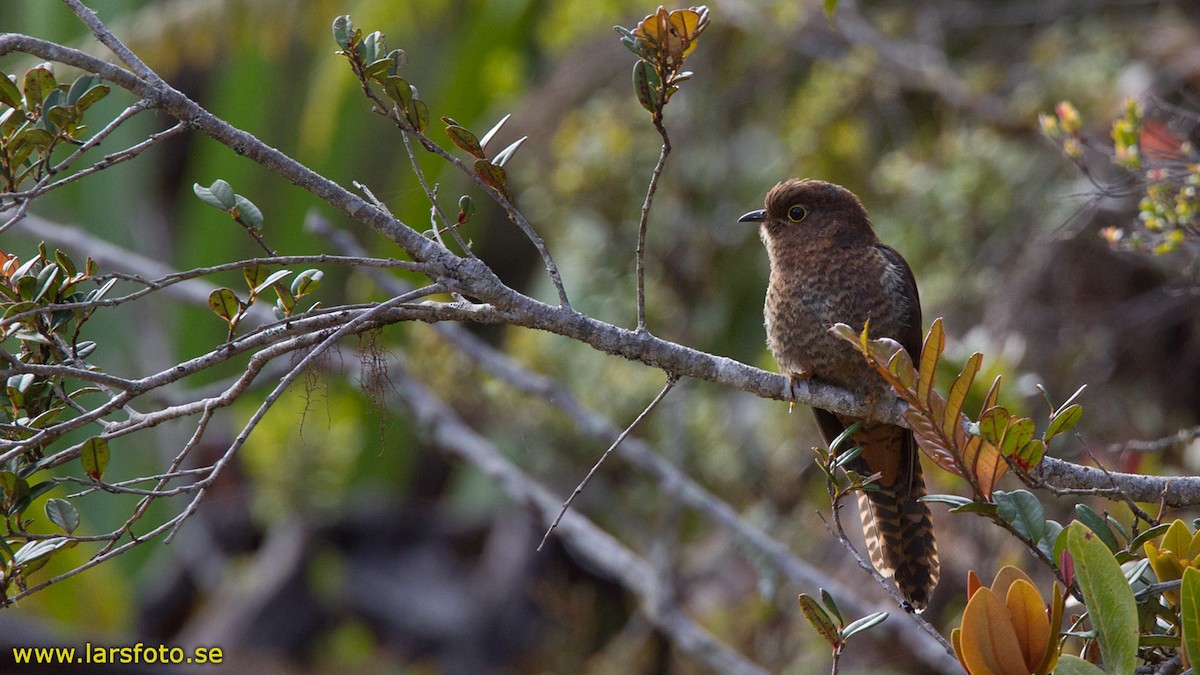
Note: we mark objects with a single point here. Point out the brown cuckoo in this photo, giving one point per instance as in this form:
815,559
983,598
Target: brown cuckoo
827,266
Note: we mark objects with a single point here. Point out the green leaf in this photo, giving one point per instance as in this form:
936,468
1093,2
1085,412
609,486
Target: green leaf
270,280
953,500
39,82
379,69
46,279
63,514
827,600
398,58
493,176
1097,524
81,85
983,508
1063,421
847,457
38,549
218,195
1023,511
398,89
1031,454
343,29
225,304
64,261
491,133
866,623
254,275
91,96
819,619
287,301
1111,607
1054,530
12,487
94,457
306,282
844,437
417,113
1016,436
10,95
247,213
646,84
1070,400
1153,533
465,140
466,209
1189,613
830,8
506,154
1069,664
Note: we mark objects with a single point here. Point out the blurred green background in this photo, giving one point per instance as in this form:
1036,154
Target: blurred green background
344,542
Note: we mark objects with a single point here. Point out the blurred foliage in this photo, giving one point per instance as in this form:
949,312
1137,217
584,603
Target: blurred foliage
987,213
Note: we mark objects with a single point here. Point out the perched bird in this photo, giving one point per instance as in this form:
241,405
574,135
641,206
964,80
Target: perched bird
827,266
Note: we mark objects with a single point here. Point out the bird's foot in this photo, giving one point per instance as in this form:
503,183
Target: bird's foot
793,380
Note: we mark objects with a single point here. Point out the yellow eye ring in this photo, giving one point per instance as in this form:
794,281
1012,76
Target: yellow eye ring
797,213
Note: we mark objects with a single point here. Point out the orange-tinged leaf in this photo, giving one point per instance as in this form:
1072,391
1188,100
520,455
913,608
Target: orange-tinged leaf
493,176
819,619
935,342
985,463
993,394
930,440
973,583
1029,621
952,420
1006,576
956,642
1055,610
464,139
989,642
901,366
992,424
682,31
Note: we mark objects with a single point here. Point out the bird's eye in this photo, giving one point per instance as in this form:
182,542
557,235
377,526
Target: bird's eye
797,213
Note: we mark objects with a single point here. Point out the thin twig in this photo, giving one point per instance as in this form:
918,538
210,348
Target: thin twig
671,380
840,535
114,44
510,209
355,325
643,223
433,202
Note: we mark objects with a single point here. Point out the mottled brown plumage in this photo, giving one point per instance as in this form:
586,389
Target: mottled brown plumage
827,266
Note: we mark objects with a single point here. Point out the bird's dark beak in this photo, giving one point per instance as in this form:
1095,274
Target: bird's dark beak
754,216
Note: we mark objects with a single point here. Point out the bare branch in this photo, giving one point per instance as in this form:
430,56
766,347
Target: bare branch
643,222
671,380
583,537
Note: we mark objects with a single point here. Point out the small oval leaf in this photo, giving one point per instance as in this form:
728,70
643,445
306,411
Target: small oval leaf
94,457
63,514
866,623
225,304
819,619
246,212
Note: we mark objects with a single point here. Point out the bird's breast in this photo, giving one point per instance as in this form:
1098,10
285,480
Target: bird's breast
805,298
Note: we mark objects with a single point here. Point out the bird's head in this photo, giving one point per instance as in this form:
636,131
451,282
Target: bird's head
807,210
